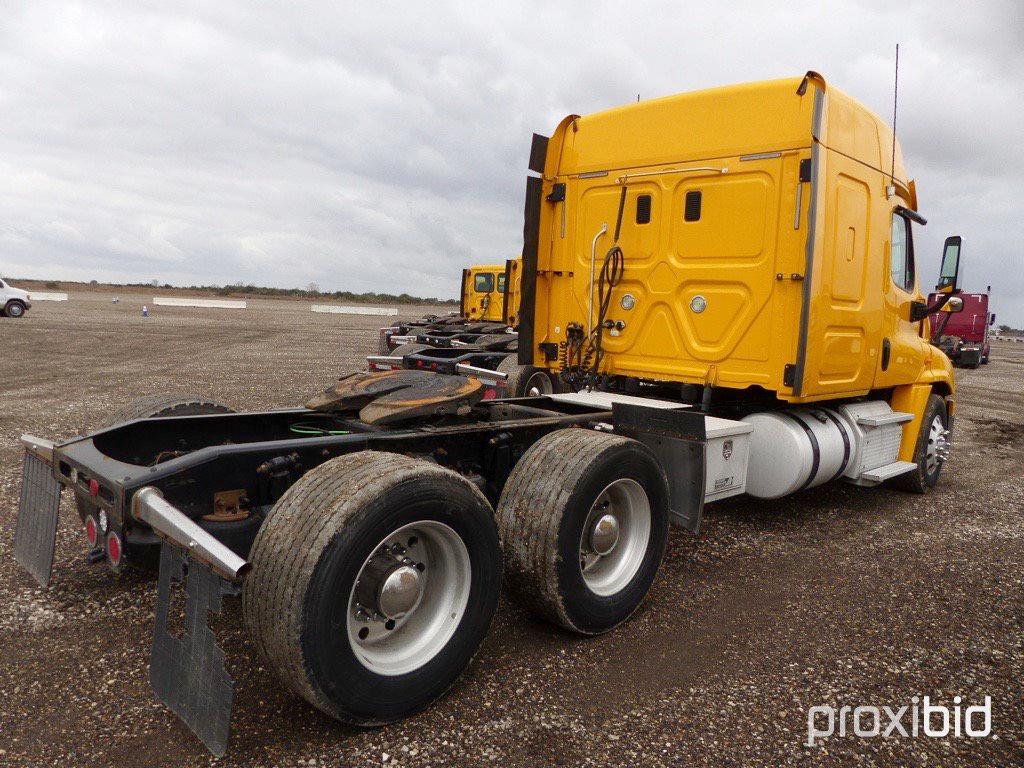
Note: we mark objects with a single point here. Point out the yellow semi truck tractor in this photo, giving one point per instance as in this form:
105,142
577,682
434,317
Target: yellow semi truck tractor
748,250
512,288
488,306
483,292
726,284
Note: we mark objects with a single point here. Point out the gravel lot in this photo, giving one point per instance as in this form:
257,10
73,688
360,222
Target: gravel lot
839,595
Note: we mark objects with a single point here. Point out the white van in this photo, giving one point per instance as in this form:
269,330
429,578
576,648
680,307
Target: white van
14,302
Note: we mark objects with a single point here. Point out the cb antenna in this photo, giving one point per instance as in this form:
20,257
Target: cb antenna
895,93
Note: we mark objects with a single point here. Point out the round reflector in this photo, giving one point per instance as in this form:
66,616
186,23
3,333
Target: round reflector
114,549
92,530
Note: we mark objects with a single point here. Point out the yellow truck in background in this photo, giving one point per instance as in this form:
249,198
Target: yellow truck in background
483,294
512,287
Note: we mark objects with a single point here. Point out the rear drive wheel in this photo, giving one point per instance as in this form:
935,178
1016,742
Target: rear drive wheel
932,449
237,534
374,581
15,309
526,380
584,522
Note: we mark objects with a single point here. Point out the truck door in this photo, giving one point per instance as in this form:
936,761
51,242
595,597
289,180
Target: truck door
901,357
481,289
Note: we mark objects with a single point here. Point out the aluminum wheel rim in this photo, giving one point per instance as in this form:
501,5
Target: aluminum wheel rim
937,444
440,556
538,384
15,310
609,574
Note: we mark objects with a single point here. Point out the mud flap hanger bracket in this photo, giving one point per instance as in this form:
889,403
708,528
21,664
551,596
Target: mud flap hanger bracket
188,673
677,436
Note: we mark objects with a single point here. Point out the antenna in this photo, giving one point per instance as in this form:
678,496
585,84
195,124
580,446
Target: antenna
895,93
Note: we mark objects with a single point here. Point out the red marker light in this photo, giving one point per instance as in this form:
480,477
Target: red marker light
92,530
94,488
114,549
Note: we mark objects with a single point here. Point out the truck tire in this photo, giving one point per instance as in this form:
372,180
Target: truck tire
14,309
526,380
365,634
930,442
564,559
408,349
155,406
145,556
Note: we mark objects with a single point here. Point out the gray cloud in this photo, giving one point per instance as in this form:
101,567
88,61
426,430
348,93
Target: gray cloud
379,146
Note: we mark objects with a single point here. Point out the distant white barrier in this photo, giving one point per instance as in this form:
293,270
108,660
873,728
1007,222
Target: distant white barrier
167,301
337,309
47,296
1015,339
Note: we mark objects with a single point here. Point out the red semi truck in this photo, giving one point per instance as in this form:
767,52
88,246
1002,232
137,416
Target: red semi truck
964,336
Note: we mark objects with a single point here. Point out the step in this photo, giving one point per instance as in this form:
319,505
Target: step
896,417
880,474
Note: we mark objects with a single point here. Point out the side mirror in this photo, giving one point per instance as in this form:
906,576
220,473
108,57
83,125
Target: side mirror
945,303
949,273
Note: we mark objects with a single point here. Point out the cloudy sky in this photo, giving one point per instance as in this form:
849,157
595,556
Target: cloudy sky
381,146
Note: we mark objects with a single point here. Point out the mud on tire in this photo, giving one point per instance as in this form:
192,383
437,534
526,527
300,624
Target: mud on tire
546,518
322,537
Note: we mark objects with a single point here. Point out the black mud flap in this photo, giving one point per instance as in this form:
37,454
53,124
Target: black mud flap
188,673
36,530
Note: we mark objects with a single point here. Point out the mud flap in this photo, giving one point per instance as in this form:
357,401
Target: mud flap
188,674
36,529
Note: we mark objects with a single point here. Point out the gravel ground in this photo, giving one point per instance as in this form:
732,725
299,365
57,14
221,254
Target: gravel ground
839,595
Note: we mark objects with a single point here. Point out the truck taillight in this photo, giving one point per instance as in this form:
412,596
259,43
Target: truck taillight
92,531
114,549
94,488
